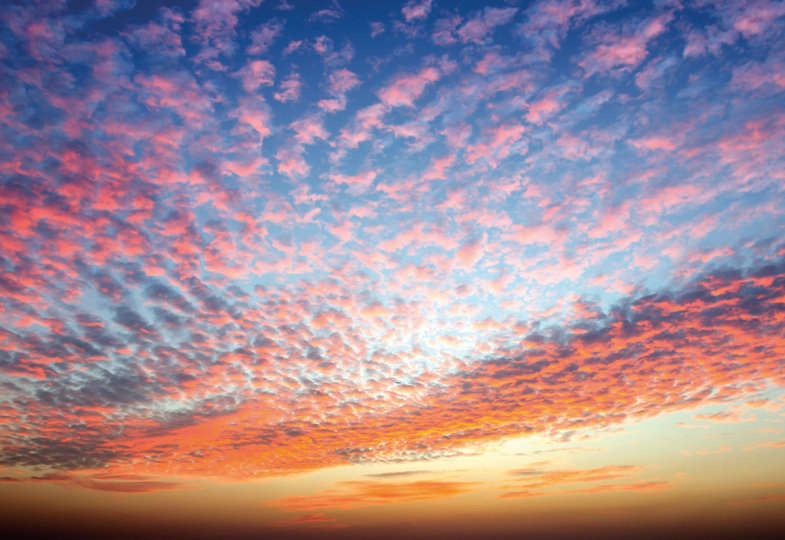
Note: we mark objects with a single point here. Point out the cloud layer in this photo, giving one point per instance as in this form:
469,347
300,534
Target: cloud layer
238,241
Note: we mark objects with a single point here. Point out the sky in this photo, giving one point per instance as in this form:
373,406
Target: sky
350,269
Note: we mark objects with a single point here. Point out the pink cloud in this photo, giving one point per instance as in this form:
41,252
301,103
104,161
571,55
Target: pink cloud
164,35
755,17
478,28
360,181
343,230
653,72
246,167
256,74
341,81
546,106
761,75
329,14
365,121
548,21
444,30
289,89
179,93
264,36
625,50
469,254
489,63
438,167
292,46
215,24
405,89
403,238
332,105
256,115
457,134
497,144
308,129
655,142
711,39
377,28
416,10
291,162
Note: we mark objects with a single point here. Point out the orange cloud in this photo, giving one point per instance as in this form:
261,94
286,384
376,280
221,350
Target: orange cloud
355,494
535,479
764,499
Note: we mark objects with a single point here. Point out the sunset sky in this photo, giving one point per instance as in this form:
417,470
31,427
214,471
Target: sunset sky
371,269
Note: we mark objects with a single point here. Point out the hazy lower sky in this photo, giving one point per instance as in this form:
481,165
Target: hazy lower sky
377,269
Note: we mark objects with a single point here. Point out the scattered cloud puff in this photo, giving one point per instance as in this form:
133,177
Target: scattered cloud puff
416,9
330,14
478,28
264,36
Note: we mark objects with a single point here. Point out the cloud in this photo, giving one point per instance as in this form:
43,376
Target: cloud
291,162
361,493
547,22
761,76
416,10
289,89
477,28
334,12
639,487
140,485
397,474
341,81
377,28
533,478
534,483
734,415
762,499
308,129
215,263
477,398
765,444
360,181
216,23
88,452
161,38
624,50
115,483
405,89
444,30
264,36
256,74
753,18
